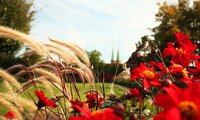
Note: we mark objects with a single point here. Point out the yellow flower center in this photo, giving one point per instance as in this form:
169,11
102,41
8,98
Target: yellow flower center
149,74
188,110
95,113
181,51
185,73
176,65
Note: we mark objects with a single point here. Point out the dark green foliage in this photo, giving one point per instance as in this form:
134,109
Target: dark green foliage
16,14
150,50
126,83
143,41
31,58
8,61
95,60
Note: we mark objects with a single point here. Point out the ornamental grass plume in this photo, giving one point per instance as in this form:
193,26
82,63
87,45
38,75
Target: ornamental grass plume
80,52
41,81
70,55
6,96
88,73
26,104
47,86
50,62
8,88
56,81
15,35
60,54
80,72
6,76
2,118
48,75
12,108
20,102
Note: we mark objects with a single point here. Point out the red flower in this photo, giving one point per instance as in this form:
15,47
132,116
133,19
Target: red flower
197,64
179,104
195,71
10,115
179,72
94,100
158,66
107,114
43,100
182,52
77,102
135,92
181,37
147,74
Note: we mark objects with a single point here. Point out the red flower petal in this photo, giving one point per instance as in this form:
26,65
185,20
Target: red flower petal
169,50
10,115
172,114
188,94
164,101
146,84
173,93
184,60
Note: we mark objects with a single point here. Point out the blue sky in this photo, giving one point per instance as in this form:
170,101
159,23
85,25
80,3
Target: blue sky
96,24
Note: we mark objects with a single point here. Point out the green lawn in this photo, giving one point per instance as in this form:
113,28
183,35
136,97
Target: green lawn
98,86
81,88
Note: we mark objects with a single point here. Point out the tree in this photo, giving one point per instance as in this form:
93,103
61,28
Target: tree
18,15
144,52
180,17
95,60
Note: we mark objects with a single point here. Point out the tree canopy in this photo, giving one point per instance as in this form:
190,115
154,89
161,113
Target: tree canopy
181,17
95,60
18,15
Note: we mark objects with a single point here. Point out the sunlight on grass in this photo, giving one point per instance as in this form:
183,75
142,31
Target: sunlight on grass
81,88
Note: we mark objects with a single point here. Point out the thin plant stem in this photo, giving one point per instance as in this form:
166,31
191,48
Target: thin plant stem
103,87
36,114
112,85
141,109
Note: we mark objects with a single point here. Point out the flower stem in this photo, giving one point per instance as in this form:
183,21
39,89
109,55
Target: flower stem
141,106
35,114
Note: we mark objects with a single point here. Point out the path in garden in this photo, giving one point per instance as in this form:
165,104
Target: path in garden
122,87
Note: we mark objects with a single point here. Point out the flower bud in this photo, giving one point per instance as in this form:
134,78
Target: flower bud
112,97
129,96
166,83
119,109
